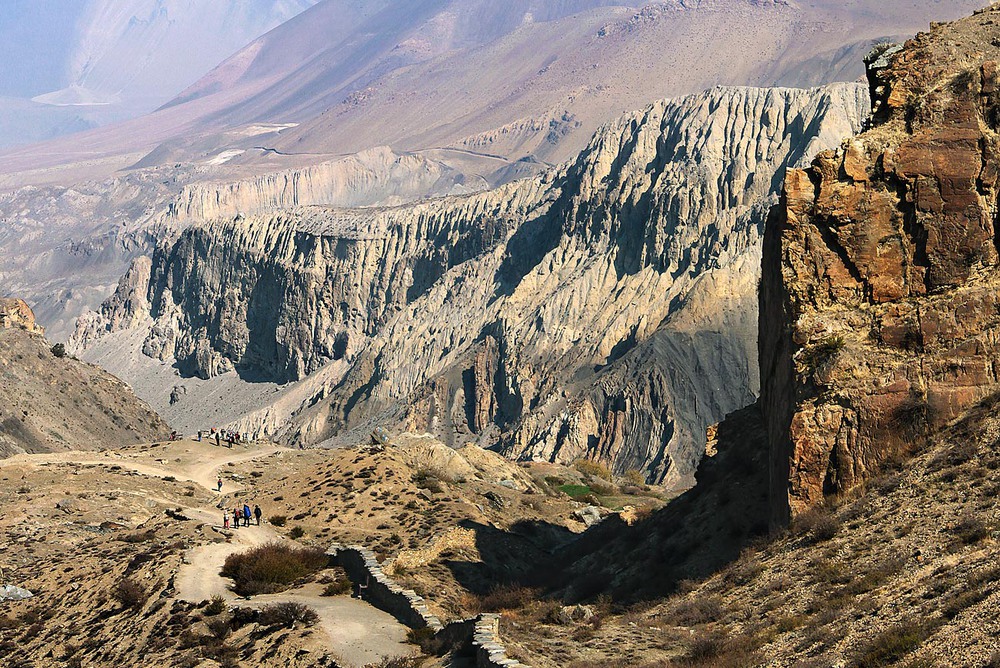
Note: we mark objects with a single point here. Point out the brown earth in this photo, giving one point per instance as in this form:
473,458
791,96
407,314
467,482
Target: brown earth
50,403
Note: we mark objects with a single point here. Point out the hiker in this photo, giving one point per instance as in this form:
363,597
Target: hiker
257,513
199,435
225,519
236,518
217,440
219,484
246,515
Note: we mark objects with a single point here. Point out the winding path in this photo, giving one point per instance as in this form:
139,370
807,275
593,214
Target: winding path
358,633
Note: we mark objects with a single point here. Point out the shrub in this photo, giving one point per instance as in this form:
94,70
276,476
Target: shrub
592,468
691,612
288,614
424,638
272,567
893,644
277,520
59,350
216,606
819,355
635,478
819,524
337,588
297,532
970,529
130,594
507,597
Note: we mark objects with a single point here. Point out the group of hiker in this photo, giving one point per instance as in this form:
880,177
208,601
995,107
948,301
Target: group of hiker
232,518
227,436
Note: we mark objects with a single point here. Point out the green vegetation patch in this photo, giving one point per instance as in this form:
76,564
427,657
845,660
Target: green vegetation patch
575,491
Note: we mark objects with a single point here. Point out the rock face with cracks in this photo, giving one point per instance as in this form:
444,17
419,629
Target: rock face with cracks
879,308
603,309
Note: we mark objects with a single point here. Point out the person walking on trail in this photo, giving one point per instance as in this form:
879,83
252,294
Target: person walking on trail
257,513
218,441
225,519
236,518
219,484
246,515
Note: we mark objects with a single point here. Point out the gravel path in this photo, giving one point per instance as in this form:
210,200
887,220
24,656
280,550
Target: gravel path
358,633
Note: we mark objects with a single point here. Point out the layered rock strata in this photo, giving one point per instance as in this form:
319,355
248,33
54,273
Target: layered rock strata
879,300
604,309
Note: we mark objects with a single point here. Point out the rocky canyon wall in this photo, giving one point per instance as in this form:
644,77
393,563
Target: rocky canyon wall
603,309
879,308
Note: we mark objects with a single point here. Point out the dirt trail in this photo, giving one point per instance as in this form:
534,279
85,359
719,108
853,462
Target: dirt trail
359,634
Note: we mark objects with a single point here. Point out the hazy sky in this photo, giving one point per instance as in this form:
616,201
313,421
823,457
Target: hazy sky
35,40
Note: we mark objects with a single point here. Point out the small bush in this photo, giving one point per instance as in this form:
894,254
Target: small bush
692,612
821,354
59,350
216,606
592,468
635,477
288,614
337,588
130,594
277,520
819,524
272,567
297,532
424,638
970,529
893,644
507,597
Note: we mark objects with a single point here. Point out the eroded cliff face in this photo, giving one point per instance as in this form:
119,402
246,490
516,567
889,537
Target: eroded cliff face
63,248
879,307
604,309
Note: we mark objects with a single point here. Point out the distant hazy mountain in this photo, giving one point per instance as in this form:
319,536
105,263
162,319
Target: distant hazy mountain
87,62
480,80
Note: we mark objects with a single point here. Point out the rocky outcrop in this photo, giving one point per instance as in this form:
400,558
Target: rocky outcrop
603,309
16,313
50,402
879,312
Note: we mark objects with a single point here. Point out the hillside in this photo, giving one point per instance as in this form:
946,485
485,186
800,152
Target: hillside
573,314
50,403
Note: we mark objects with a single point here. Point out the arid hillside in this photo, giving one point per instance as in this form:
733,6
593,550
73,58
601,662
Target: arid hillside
49,401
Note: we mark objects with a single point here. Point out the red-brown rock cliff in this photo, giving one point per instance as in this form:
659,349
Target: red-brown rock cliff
880,297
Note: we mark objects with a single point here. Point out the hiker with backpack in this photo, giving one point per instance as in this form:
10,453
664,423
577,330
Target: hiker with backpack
257,513
246,515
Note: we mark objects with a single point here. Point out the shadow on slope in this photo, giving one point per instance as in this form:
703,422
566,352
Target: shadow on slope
695,535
